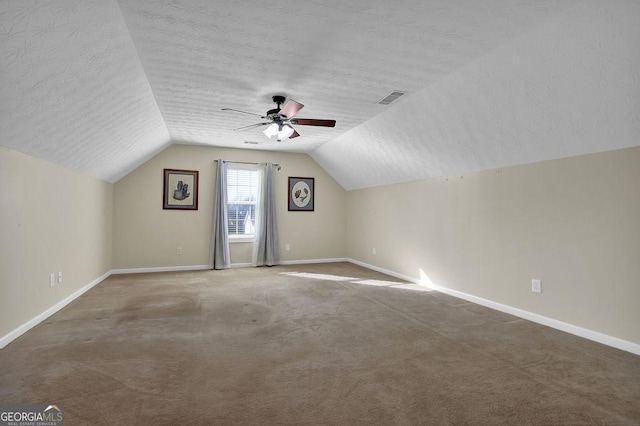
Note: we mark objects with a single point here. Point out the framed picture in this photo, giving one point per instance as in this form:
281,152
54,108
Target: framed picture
301,193
180,189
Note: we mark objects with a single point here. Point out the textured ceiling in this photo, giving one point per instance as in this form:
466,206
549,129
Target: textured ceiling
72,89
569,87
100,86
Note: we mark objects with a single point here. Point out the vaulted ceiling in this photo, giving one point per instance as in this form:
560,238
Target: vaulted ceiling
100,86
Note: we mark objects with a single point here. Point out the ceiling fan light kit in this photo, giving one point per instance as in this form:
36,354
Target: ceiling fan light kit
272,130
281,119
285,132
282,131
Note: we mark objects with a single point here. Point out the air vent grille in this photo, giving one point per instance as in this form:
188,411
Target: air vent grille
392,97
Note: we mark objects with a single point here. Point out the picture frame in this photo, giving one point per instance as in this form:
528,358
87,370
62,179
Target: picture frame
301,194
180,189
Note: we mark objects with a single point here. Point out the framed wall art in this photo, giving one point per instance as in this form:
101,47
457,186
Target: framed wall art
180,190
301,194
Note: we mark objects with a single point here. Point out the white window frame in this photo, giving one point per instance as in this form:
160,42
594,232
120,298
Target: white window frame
245,238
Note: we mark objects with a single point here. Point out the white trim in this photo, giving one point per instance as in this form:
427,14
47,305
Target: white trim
306,261
605,339
233,266
13,335
595,336
384,271
235,239
160,269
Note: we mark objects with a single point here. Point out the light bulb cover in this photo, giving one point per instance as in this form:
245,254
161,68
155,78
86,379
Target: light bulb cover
285,132
272,130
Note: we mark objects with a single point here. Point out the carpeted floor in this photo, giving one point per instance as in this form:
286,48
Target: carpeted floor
308,344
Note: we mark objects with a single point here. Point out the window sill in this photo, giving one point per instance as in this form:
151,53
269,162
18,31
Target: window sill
247,239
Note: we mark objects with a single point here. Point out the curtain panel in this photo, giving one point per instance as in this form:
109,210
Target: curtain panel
219,252
265,245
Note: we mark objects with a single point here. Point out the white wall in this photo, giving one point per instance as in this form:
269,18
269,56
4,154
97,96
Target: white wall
573,223
146,236
51,219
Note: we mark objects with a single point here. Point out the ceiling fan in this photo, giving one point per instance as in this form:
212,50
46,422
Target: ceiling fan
280,120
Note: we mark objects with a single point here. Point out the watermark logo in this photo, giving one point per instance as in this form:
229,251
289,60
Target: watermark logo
31,415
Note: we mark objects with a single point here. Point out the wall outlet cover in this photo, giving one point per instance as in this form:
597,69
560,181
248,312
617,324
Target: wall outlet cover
536,286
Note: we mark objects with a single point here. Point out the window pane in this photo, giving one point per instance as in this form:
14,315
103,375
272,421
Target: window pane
242,185
242,219
242,194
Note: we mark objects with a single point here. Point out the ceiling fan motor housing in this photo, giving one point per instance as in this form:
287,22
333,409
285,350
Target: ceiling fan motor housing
273,113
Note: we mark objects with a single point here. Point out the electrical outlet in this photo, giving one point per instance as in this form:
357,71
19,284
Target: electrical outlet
179,251
52,279
287,247
536,286
59,277
373,250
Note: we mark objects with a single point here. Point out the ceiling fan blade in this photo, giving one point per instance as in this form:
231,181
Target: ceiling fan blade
244,112
291,108
251,126
294,135
313,122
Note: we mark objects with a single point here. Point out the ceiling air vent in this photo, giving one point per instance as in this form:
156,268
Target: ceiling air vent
392,97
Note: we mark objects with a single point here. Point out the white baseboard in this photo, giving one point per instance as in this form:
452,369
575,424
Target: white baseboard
233,266
13,335
385,271
160,269
307,261
295,262
595,336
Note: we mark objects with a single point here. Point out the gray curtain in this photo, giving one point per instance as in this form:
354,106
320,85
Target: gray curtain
219,256
265,244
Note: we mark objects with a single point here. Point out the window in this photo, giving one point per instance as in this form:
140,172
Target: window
242,196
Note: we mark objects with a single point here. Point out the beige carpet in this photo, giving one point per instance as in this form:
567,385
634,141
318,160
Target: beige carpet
313,344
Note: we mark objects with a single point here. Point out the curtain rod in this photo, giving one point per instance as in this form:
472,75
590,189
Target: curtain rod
249,162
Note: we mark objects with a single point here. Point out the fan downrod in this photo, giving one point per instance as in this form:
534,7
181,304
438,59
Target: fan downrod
279,100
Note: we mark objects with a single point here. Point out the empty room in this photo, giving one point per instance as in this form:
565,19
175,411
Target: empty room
326,212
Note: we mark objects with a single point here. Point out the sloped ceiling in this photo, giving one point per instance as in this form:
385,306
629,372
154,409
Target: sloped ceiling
569,87
73,90
100,86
